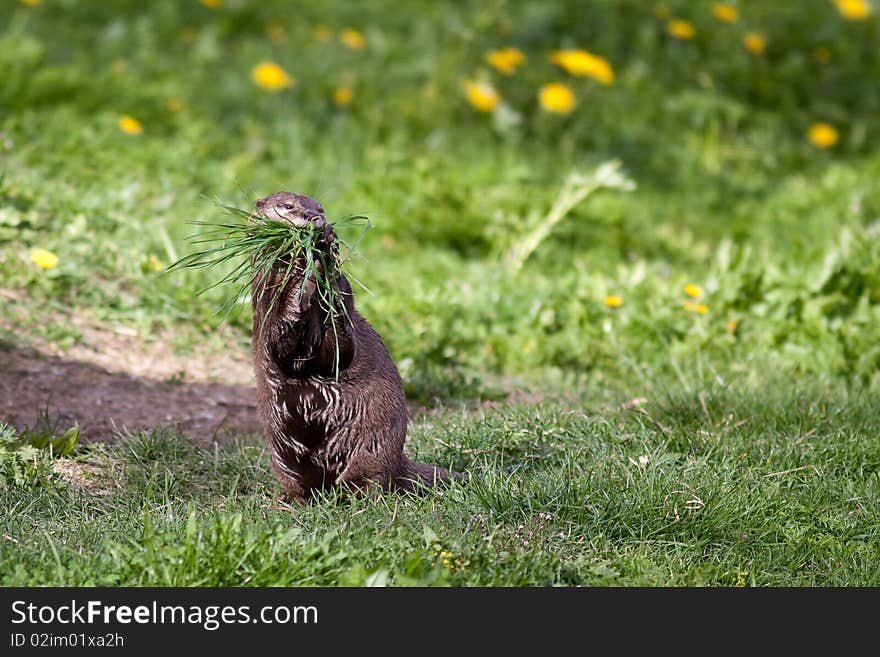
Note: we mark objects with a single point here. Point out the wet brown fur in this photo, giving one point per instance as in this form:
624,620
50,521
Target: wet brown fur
323,432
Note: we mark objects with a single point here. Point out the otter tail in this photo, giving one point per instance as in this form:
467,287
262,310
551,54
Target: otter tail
411,475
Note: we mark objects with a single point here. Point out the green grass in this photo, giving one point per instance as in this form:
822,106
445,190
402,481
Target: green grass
782,236
773,490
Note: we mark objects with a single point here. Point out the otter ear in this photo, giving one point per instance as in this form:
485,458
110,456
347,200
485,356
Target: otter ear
259,211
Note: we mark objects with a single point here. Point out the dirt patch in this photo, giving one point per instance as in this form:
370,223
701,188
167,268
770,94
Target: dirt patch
84,476
113,381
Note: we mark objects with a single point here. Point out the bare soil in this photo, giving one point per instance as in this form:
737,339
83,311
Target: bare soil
115,381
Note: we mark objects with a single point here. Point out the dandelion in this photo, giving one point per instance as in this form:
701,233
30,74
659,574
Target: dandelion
505,60
724,12
556,98
321,33
30,3
481,95
449,560
581,62
822,55
731,326
822,135
612,301
754,43
693,307
44,259
271,77
211,4
154,264
693,291
174,105
854,10
680,29
352,39
130,125
342,96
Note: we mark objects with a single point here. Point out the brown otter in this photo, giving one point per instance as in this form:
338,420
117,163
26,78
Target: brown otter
329,418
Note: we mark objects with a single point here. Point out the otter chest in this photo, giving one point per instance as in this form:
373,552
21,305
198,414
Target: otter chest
308,410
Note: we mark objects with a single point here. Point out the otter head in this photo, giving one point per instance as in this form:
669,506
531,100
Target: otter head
296,209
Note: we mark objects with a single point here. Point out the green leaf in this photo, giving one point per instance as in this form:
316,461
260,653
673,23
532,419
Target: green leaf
64,444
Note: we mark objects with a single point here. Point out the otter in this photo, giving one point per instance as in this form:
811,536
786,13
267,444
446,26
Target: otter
329,396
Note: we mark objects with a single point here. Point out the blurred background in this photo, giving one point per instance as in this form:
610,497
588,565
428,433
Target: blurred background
744,253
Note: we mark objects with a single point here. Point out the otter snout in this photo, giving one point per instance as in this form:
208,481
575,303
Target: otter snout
316,218
319,221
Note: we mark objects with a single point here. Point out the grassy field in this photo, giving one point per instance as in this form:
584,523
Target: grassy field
757,490
672,381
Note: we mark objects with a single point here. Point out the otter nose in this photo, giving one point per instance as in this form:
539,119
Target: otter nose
317,218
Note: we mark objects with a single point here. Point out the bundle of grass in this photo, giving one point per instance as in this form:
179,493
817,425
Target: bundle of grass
253,243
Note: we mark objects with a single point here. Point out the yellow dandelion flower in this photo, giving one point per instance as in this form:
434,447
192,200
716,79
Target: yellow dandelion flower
854,10
342,96
613,301
822,55
822,135
481,95
680,29
505,60
321,33
661,11
693,307
174,105
581,62
271,77
44,259
724,12
212,4
31,3
754,43
154,264
130,125
556,98
731,326
352,39
693,291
